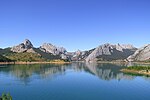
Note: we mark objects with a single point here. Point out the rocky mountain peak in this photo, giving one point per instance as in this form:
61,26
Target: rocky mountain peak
104,52
49,48
127,46
25,46
121,47
111,52
27,43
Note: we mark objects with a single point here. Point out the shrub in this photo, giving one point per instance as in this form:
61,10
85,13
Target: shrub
6,96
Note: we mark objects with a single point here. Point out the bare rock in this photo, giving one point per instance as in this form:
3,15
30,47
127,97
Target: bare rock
26,46
142,54
111,52
49,48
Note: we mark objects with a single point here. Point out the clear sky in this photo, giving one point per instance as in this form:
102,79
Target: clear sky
75,24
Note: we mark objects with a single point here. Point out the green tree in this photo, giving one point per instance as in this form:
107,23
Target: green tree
6,96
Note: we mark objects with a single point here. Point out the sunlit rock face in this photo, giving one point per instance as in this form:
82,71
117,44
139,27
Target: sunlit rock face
49,48
142,54
26,46
111,52
105,52
54,50
79,55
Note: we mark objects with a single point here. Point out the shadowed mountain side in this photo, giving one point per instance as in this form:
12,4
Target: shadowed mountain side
46,55
109,52
116,55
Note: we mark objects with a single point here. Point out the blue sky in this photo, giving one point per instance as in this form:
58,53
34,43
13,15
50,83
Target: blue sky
75,24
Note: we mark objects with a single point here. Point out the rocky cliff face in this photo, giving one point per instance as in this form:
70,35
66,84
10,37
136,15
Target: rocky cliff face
79,55
105,52
54,50
111,52
26,46
49,48
142,54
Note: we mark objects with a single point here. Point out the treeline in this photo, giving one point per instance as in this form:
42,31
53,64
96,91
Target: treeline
4,59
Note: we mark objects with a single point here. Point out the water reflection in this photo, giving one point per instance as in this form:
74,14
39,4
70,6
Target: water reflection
108,71
27,73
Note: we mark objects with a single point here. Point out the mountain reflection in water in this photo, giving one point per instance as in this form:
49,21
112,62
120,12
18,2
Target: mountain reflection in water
26,73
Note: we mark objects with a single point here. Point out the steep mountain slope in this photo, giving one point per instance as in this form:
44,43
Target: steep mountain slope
4,59
142,54
109,52
25,56
27,52
26,46
49,48
79,55
45,55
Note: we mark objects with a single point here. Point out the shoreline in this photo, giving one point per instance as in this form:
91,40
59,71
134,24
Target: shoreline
55,62
23,63
141,72
123,62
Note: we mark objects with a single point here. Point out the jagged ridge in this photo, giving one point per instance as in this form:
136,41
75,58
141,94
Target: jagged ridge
105,52
109,52
142,54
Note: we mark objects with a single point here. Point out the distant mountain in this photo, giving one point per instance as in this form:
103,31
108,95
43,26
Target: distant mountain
25,51
49,48
79,55
26,46
142,54
6,51
47,56
60,52
109,52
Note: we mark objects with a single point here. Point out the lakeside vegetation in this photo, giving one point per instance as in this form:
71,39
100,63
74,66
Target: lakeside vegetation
4,59
25,57
29,58
141,70
6,97
138,68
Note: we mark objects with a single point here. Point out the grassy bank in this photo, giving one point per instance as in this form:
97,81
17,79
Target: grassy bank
141,70
40,62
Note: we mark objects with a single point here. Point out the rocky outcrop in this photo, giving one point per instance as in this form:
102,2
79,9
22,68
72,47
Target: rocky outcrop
105,52
110,52
142,54
26,46
79,55
54,50
49,48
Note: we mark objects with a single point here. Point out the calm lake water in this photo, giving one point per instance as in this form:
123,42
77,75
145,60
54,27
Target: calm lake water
77,81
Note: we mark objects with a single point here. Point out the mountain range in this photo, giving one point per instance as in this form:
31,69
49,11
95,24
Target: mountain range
25,51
